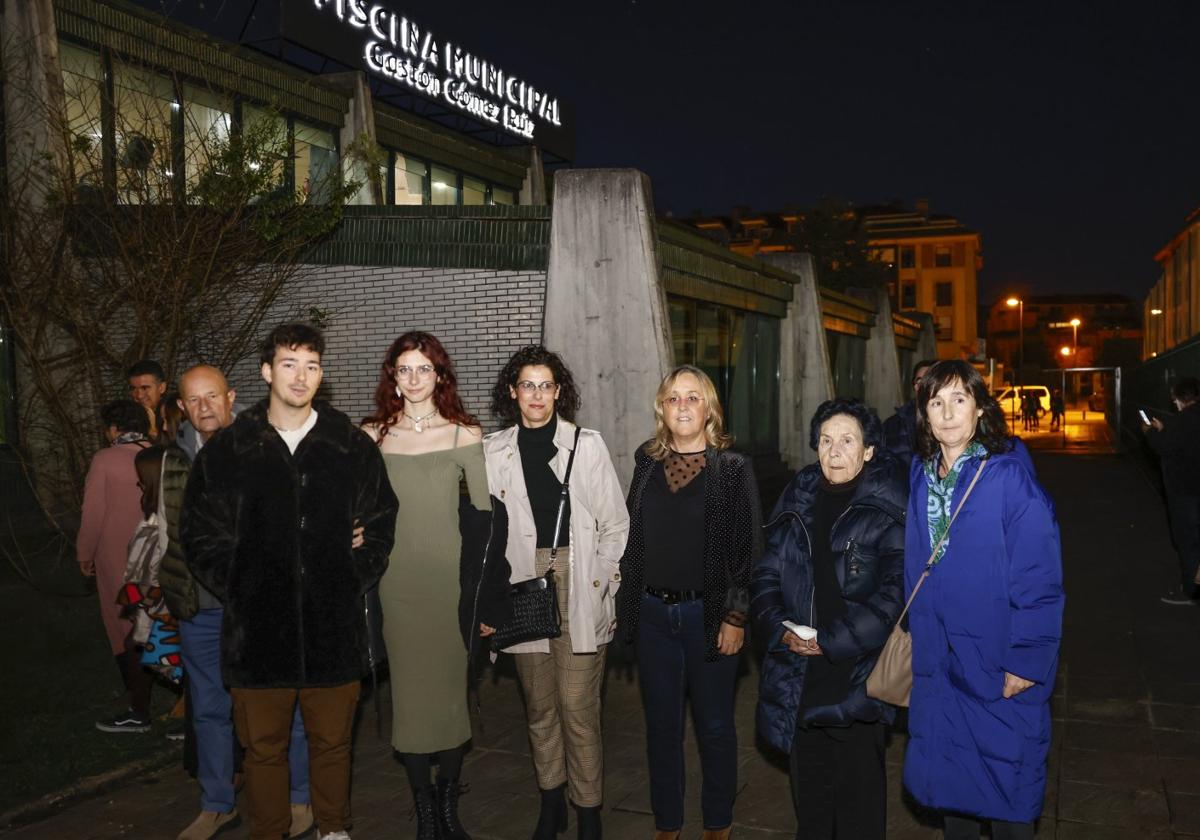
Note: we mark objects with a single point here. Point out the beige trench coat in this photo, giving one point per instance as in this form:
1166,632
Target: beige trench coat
599,528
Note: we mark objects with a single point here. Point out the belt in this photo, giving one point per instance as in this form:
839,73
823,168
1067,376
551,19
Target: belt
675,596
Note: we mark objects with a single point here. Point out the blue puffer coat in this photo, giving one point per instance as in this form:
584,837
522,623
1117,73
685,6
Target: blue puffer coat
868,541
993,604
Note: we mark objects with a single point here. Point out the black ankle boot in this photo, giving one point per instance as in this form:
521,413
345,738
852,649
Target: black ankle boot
552,817
589,822
447,811
425,807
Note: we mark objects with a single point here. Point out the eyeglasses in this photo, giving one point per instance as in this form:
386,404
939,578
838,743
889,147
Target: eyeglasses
527,387
423,371
691,401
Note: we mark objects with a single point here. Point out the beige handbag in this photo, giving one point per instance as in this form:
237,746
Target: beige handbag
891,679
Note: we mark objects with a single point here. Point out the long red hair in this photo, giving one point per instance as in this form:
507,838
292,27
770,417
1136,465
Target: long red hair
389,405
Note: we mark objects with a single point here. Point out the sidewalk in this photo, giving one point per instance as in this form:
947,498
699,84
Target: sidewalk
1125,760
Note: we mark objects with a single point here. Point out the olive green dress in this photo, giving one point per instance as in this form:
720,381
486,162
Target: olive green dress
419,593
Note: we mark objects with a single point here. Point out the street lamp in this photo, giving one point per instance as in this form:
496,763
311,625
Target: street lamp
1020,304
1075,322
1066,351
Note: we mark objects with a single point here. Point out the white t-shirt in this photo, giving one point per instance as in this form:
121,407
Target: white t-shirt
293,437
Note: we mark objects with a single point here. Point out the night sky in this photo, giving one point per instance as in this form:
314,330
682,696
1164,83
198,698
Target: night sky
1066,133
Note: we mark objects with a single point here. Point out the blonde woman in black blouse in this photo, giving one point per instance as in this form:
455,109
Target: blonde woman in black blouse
695,519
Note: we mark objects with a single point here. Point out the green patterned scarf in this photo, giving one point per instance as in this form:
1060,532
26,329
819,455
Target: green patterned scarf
941,494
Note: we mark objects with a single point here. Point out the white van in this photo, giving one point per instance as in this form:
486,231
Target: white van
1010,400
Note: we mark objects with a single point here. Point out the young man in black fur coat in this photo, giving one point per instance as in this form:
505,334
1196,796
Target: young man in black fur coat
268,514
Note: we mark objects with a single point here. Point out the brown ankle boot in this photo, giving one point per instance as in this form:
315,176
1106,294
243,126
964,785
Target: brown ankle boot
717,833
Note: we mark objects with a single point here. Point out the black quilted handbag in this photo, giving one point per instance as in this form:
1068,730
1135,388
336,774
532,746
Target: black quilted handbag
535,614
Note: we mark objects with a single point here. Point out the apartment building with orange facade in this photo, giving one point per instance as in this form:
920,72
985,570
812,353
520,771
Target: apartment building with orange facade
1171,311
933,262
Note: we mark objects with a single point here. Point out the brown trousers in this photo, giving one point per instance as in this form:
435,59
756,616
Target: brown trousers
263,719
562,701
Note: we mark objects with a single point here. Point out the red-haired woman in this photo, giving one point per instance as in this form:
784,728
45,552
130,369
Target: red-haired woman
446,582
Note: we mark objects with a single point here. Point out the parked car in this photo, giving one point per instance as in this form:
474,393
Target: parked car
1010,400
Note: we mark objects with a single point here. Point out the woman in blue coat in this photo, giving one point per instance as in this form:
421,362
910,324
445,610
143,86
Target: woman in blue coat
987,622
835,563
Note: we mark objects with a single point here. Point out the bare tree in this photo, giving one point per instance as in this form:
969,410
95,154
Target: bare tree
149,225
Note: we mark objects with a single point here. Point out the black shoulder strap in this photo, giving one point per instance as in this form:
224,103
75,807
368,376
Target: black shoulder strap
564,496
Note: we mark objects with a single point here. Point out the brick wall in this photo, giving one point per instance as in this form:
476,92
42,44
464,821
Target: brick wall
482,316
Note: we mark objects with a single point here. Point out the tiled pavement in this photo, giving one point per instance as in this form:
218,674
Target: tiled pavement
1125,761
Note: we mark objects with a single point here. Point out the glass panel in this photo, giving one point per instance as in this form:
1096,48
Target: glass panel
207,121
474,192
316,162
412,176
82,75
145,102
265,132
503,196
766,384
847,357
445,186
683,330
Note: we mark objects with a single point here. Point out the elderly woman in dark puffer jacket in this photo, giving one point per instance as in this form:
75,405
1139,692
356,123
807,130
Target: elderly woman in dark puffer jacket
834,563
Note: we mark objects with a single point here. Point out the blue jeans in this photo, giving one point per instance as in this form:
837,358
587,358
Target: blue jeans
213,720
671,668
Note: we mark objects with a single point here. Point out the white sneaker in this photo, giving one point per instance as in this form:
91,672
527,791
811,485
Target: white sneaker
335,835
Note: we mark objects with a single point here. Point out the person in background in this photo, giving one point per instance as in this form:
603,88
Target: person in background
695,536
112,510
834,562
1176,440
1057,409
267,522
443,570
147,386
208,401
986,625
900,430
170,419
561,678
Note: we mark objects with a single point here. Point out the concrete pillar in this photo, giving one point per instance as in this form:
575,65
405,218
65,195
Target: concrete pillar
805,377
885,385
927,341
606,313
361,153
533,188
34,99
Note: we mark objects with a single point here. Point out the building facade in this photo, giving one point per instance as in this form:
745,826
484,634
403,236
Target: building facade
458,235
1171,311
1107,332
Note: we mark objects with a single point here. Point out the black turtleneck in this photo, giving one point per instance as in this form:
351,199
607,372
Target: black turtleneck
537,451
826,683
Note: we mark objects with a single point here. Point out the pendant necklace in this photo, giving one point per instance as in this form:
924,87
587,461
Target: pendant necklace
417,421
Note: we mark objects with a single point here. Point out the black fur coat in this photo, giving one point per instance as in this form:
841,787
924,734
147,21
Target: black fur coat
269,534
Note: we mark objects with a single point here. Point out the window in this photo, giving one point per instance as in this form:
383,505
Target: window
412,180
207,120
503,196
316,162
473,192
82,75
942,256
265,141
908,257
945,294
908,295
445,186
945,326
145,103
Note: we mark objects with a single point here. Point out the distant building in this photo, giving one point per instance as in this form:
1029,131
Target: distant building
933,261
1171,311
1109,332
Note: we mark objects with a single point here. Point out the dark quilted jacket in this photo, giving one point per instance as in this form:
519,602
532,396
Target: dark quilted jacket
732,543
178,586
868,544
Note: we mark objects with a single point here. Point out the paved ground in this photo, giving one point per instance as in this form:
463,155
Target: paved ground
1126,752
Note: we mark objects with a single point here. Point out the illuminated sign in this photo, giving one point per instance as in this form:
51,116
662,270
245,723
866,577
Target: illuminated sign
388,44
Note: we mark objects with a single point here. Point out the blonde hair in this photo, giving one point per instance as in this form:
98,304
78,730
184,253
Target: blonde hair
714,425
